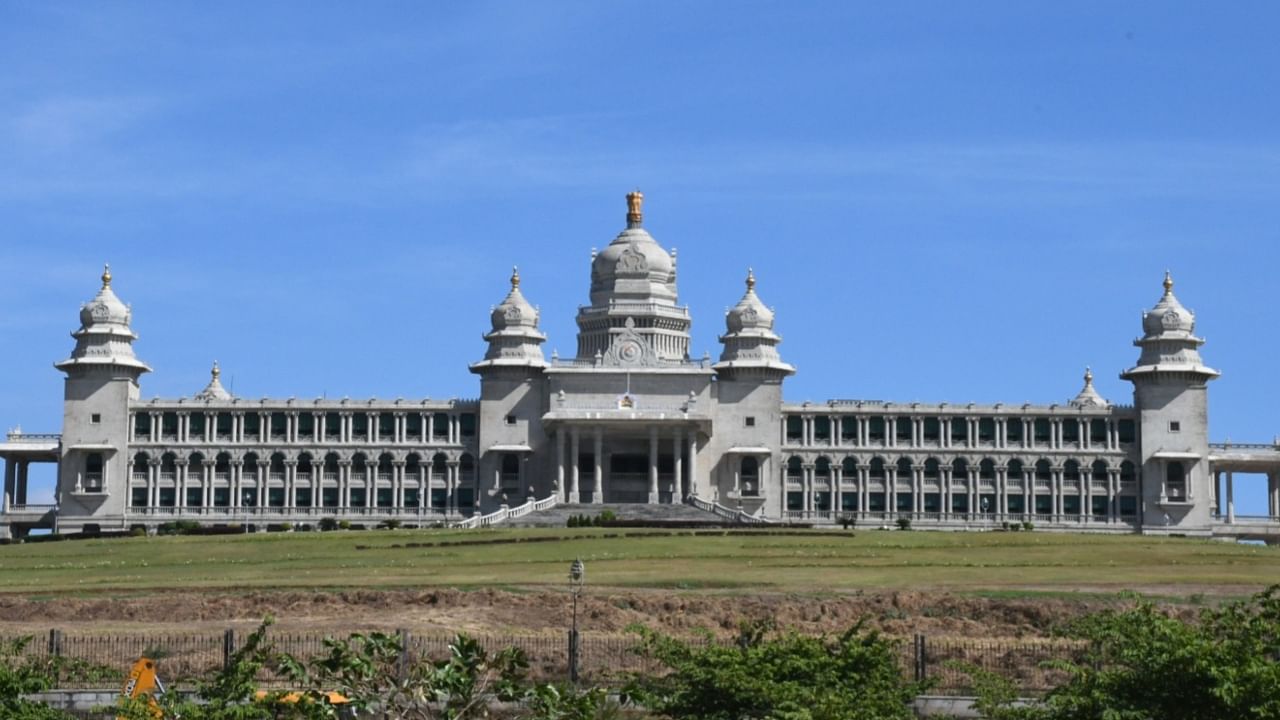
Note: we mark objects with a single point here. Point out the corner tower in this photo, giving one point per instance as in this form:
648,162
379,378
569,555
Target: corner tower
1170,391
512,401
102,381
633,294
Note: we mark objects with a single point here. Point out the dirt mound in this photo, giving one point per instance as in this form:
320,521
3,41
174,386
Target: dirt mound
501,611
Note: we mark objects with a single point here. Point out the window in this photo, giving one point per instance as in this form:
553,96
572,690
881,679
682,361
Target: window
96,418
1175,426
750,421
510,419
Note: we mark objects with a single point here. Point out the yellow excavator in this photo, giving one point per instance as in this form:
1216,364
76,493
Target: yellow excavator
145,681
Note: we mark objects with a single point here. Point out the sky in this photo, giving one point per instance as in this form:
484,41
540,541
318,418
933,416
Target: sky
942,201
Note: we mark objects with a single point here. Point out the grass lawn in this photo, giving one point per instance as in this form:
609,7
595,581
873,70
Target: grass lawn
806,562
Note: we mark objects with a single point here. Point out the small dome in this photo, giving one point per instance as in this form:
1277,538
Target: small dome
105,308
1168,315
1088,396
750,313
514,310
214,390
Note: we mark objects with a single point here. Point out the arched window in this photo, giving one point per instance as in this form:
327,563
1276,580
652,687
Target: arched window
1099,471
140,463
904,469
384,466
795,469
439,466
412,465
849,468
987,469
331,464
931,469
1175,481
876,469
467,469
959,469
1127,473
1071,471
822,469
250,465
1014,471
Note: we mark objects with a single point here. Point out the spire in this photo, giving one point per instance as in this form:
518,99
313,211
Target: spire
515,277
1168,283
635,214
214,390
106,275
104,338
1088,396
751,280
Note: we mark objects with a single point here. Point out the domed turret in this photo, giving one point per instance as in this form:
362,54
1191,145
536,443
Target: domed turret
515,339
1168,316
104,337
1168,343
1088,396
635,278
750,342
214,390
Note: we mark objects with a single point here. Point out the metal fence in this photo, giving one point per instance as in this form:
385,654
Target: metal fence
102,660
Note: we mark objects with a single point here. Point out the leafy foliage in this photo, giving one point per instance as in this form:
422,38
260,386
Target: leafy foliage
21,675
785,677
1145,665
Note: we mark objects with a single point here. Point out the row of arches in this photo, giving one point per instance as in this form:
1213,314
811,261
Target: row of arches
307,463
961,469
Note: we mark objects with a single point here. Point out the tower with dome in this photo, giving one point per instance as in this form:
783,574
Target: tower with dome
633,422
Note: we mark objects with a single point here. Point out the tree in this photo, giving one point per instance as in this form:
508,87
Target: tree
21,675
785,677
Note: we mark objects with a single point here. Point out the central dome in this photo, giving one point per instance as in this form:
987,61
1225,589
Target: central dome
633,285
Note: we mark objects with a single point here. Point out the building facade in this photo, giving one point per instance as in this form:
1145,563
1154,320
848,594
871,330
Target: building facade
632,418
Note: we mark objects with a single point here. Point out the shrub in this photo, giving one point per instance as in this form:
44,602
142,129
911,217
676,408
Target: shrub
606,517
851,677
1028,526
848,521
904,523
344,524
137,532
328,524
391,524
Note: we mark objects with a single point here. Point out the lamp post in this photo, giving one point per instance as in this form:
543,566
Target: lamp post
577,575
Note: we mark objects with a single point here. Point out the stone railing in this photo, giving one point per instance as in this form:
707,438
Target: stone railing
17,436
505,513
1245,446
719,510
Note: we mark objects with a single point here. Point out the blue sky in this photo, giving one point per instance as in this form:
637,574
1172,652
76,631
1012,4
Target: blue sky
943,201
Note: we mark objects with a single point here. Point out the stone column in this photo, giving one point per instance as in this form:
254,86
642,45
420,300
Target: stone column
575,471
180,483
806,485
677,482
1002,491
397,484
891,431
235,490
944,476
693,462
344,484
653,464
1231,497
1273,483
10,481
560,489
597,480
206,480
153,482
290,483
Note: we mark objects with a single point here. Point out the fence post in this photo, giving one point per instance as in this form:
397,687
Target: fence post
228,647
922,658
403,666
55,643
573,656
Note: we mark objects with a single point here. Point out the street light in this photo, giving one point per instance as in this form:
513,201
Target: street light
577,576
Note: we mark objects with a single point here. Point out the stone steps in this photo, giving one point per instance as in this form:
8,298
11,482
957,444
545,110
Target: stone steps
559,515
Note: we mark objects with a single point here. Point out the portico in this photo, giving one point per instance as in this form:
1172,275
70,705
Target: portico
625,456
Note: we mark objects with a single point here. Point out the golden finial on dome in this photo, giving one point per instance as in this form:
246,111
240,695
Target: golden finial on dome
751,279
216,371
1088,375
515,277
1168,282
106,275
635,201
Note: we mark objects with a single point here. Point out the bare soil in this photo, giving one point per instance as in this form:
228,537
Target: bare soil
602,611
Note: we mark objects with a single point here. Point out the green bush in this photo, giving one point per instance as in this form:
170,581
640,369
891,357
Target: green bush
855,676
904,523
606,517
327,524
848,521
1028,526
391,524
344,524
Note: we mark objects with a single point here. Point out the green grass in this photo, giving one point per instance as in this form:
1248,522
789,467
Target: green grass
1010,563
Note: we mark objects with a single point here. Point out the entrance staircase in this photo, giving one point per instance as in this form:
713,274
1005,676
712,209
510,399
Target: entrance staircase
559,515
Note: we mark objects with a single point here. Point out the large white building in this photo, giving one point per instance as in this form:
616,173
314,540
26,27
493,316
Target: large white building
633,419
